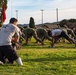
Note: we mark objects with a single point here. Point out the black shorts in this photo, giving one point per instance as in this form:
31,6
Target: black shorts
8,52
64,35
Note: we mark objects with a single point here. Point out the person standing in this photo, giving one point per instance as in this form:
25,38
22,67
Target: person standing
6,37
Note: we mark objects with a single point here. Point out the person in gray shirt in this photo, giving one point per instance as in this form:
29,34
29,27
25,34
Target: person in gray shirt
6,37
58,33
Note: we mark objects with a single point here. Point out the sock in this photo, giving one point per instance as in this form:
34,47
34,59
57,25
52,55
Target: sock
19,61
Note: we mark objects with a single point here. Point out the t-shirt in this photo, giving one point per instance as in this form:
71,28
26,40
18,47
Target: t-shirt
7,32
56,32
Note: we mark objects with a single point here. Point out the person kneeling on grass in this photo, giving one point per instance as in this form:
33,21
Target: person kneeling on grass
6,36
57,33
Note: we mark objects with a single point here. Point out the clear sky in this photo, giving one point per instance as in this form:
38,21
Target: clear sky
32,8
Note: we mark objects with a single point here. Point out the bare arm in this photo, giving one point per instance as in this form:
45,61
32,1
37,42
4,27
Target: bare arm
15,40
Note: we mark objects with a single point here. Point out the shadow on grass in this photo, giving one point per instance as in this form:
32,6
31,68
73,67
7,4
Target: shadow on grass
62,45
50,59
47,47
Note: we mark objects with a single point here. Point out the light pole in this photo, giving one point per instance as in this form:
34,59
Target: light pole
57,17
42,15
17,14
57,14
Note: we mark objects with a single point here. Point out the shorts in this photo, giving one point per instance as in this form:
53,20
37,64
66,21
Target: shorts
64,35
8,52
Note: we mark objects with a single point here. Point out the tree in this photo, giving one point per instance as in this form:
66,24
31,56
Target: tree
63,22
5,2
72,20
31,23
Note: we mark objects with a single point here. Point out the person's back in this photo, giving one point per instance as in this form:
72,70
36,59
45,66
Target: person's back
6,37
6,32
56,32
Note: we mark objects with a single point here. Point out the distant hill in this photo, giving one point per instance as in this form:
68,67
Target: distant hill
47,25
23,25
70,23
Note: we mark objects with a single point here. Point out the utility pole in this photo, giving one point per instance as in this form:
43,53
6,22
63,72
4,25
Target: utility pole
42,15
57,14
57,17
17,14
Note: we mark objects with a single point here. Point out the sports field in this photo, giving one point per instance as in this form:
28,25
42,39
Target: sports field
41,60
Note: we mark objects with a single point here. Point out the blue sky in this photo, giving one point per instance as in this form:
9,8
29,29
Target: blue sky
32,8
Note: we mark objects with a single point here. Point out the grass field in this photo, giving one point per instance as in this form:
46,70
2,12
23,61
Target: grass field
41,60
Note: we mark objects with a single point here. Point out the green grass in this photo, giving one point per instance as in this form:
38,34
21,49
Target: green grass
41,60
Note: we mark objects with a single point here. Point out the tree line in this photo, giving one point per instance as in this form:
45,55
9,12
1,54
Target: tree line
65,22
